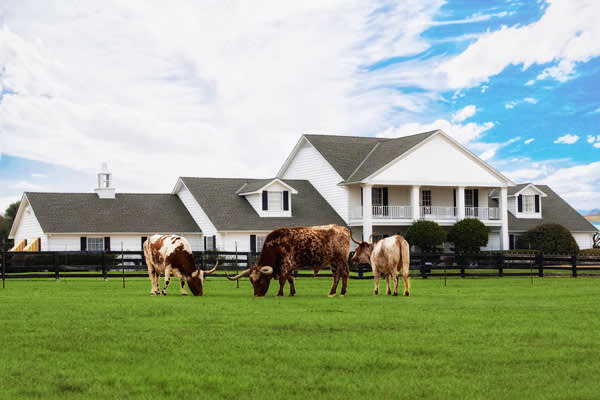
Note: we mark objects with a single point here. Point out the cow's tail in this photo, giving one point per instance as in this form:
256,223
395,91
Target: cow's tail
405,264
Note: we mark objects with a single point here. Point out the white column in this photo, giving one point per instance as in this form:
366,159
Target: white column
504,244
460,202
414,202
367,211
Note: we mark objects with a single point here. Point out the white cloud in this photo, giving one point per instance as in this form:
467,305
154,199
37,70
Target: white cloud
484,88
202,89
529,140
567,33
530,100
465,113
511,105
25,186
591,138
38,175
530,82
597,145
567,139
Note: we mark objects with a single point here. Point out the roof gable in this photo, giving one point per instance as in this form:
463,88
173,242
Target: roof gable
256,187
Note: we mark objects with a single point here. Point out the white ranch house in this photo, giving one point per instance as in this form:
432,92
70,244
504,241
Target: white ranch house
377,186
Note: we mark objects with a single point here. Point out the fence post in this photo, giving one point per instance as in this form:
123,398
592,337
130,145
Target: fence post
423,272
56,273
574,265
540,263
3,269
501,265
104,266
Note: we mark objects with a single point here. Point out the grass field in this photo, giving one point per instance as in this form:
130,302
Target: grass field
495,338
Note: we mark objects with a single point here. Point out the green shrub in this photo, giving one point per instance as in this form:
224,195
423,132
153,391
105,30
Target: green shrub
589,252
551,239
468,235
427,235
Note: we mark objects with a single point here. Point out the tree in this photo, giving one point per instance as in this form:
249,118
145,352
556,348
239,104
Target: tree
6,223
468,235
550,239
427,235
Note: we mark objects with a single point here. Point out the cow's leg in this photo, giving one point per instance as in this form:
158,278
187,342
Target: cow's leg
183,292
167,280
336,279
345,275
376,290
387,285
282,278
396,280
406,282
153,280
292,287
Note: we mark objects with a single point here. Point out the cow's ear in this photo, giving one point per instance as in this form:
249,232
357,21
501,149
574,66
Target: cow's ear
195,273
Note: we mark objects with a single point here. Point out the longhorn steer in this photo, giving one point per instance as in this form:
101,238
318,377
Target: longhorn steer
172,254
387,257
288,249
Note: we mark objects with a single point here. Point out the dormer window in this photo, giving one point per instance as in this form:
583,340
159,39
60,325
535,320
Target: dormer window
275,201
269,198
528,204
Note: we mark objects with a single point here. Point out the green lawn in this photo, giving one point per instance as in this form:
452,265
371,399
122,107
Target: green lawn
496,338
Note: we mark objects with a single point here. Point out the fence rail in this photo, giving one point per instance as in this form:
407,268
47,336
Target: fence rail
132,264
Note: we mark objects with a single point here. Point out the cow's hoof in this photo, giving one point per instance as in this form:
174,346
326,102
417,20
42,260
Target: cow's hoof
375,293
292,294
184,294
343,295
164,293
407,294
395,293
152,294
331,295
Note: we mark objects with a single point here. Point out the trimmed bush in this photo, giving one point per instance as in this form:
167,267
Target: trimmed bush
468,235
427,235
550,239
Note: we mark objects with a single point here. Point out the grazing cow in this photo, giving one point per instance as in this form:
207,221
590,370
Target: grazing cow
387,257
172,254
288,249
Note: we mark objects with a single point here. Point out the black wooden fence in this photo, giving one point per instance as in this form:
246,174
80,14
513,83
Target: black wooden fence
75,264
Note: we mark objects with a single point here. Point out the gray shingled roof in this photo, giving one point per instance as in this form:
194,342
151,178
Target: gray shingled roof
355,158
87,213
230,212
555,210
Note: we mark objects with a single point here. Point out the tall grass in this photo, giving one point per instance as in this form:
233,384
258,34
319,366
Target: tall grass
476,338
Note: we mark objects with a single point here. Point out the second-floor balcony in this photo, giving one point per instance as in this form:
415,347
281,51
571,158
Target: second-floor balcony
426,212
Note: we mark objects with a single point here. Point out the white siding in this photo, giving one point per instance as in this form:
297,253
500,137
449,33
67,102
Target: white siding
29,228
229,239
512,205
493,241
584,240
196,211
65,242
131,242
438,162
309,164
255,201
398,196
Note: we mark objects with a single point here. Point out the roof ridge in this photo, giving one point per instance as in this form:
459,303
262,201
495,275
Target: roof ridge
364,159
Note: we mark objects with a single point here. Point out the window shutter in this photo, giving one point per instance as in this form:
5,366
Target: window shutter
475,197
520,203
205,244
107,243
83,240
537,203
361,196
214,242
286,200
385,196
253,243
144,238
265,200
454,197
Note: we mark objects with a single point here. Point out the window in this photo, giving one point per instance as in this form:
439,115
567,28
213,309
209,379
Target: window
95,244
528,204
426,201
209,243
377,196
275,201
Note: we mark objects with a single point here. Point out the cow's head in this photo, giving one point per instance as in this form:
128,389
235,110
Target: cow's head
362,254
195,281
260,277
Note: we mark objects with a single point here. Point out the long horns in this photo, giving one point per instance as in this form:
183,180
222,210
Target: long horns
212,270
351,237
265,270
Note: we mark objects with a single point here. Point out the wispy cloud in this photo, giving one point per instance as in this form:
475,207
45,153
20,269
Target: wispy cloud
567,139
465,113
529,141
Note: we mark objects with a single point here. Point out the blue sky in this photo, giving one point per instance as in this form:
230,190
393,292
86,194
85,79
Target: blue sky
227,90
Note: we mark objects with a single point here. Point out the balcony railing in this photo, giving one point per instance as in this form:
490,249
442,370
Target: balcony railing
427,212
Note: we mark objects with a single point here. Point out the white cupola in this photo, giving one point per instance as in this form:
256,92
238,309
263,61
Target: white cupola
104,189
